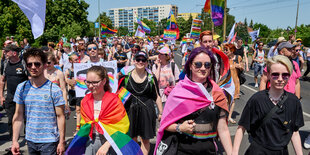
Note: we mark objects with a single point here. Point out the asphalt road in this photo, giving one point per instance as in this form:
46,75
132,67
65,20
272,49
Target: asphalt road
247,90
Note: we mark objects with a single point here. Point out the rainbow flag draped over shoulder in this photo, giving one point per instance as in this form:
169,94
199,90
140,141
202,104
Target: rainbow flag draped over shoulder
144,27
186,98
216,7
105,29
113,123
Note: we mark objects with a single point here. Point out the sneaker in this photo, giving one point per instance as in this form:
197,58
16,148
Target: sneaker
307,142
256,85
74,116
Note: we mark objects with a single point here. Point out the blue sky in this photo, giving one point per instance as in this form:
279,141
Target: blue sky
273,13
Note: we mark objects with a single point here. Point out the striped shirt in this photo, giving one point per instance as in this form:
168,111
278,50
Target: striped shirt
40,115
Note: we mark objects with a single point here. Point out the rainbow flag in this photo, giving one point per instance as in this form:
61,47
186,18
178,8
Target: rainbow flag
149,39
196,23
207,7
144,27
161,42
172,24
123,94
105,29
195,32
170,34
217,8
184,40
113,123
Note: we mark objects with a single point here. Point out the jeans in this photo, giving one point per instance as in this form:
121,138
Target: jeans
42,148
258,69
308,68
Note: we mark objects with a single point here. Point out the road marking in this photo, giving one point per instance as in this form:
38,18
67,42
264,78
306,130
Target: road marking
306,114
250,88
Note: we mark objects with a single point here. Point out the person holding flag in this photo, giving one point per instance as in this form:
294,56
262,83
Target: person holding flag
143,86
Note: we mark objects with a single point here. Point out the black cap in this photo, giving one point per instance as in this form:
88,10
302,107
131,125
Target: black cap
11,47
141,53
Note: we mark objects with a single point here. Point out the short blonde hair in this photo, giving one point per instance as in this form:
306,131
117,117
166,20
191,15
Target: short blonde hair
282,60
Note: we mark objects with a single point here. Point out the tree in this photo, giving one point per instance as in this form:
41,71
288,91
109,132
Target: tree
245,22
67,17
242,31
263,32
122,31
251,24
184,27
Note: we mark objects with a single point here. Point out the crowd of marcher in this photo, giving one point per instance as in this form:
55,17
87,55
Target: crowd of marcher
37,87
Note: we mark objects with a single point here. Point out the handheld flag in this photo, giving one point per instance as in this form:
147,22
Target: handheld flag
172,25
254,34
105,29
140,32
144,27
196,28
123,94
231,33
170,34
207,7
35,12
216,8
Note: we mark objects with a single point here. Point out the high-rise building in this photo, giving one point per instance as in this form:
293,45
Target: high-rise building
125,17
187,15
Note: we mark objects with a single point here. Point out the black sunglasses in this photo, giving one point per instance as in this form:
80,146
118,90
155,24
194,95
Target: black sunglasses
143,60
275,76
199,64
90,48
49,62
36,64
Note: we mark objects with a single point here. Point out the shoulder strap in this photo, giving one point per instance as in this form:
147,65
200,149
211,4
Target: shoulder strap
172,67
126,79
273,110
5,63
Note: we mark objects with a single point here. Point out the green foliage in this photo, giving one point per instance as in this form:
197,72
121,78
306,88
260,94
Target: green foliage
242,31
67,17
122,31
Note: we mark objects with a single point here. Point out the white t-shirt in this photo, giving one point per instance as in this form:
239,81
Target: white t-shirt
97,108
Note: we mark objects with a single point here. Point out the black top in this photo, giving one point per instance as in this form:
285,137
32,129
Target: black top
240,52
276,133
14,75
120,56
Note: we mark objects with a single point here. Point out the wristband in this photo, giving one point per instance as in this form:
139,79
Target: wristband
178,129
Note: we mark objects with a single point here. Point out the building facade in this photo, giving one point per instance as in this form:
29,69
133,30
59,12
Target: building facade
126,17
187,15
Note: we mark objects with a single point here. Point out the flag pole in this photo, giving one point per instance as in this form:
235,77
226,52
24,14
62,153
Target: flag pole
211,19
224,25
99,18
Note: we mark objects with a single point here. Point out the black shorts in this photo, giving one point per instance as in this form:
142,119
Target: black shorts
256,149
73,100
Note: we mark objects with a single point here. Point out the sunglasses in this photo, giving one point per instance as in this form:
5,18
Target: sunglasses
90,48
199,64
49,62
297,50
94,83
36,64
275,76
143,60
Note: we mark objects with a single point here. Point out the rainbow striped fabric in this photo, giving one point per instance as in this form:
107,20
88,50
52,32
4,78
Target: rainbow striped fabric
216,7
202,135
144,27
149,39
123,94
170,34
113,123
172,24
105,29
196,28
184,40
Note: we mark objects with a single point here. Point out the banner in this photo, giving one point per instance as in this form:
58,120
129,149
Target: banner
170,34
254,34
35,12
196,28
80,70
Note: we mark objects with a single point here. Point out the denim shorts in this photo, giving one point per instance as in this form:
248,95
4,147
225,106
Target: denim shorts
258,69
42,148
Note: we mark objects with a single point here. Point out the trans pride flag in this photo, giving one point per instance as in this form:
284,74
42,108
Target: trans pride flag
113,123
105,29
216,7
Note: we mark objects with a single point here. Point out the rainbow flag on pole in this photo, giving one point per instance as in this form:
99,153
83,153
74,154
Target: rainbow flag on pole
216,8
123,94
105,29
144,27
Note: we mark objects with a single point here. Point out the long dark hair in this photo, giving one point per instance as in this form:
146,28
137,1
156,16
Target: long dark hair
192,56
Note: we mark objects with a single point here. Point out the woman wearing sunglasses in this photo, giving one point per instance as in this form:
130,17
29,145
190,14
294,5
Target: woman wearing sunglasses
236,66
140,106
56,76
272,117
195,113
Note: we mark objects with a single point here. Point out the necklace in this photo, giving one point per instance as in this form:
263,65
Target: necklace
275,101
138,92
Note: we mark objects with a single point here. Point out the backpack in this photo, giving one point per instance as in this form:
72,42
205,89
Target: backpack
172,64
6,61
149,76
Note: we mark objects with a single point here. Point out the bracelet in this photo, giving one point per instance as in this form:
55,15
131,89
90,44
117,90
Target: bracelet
178,129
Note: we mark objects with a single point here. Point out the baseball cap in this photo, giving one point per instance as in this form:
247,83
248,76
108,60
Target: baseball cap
298,39
165,50
11,47
141,53
281,39
285,45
